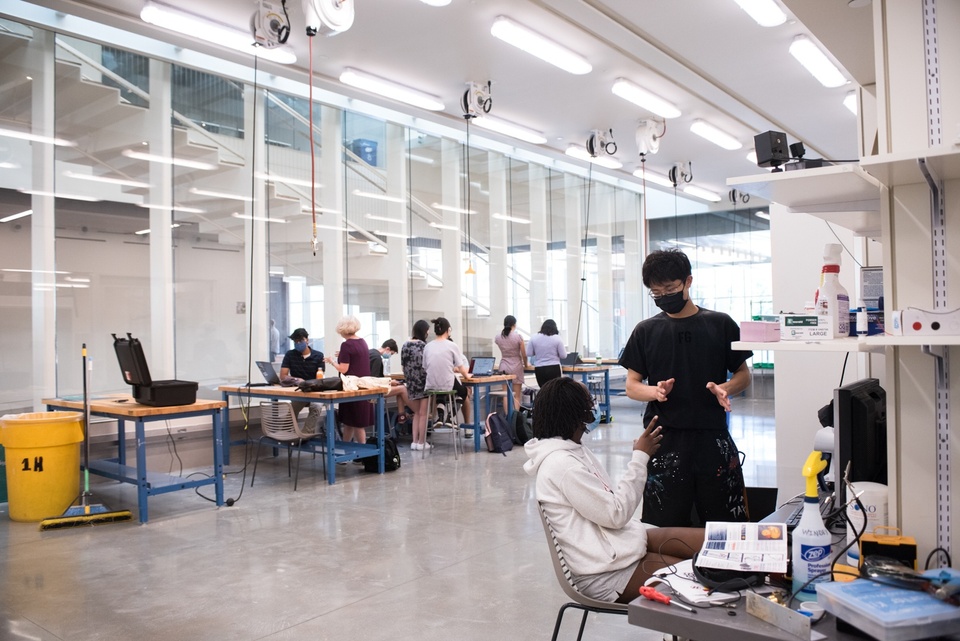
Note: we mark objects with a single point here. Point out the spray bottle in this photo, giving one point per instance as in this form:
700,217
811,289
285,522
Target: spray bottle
811,539
832,299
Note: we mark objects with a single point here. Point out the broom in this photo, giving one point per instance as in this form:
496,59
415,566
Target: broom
87,513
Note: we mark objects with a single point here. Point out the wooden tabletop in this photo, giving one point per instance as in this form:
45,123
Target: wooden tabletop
583,367
125,405
292,392
483,380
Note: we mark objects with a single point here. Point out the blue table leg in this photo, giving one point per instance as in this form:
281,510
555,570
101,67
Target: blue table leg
226,428
121,442
606,394
141,471
218,456
476,422
510,408
379,423
331,438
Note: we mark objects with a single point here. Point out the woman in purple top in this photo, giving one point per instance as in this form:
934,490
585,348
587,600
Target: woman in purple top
353,360
547,350
513,357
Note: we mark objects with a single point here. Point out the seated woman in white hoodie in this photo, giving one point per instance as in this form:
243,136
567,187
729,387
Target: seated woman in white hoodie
609,552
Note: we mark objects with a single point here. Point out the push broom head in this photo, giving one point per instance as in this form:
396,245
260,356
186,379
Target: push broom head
85,515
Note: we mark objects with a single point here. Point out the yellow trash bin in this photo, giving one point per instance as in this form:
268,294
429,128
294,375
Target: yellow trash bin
43,462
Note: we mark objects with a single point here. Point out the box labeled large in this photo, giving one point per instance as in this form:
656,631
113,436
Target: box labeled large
805,327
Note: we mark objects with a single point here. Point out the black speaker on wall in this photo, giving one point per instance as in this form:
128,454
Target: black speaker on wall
772,148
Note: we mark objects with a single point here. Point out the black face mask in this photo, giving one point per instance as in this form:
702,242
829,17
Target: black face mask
671,303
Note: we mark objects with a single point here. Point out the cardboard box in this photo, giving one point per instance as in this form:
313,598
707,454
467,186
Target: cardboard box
760,331
804,327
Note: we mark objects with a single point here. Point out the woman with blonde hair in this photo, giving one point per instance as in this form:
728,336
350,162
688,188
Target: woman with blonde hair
353,359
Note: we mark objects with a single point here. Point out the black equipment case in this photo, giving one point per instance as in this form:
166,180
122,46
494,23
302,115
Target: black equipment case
146,391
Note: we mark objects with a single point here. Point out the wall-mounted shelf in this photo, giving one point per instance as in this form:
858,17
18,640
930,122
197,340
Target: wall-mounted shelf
908,341
835,345
845,194
902,168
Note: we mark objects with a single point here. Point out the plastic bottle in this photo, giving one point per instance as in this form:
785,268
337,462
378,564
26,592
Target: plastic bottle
863,321
811,539
832,299
599,359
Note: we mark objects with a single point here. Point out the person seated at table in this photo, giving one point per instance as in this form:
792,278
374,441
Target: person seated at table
443,360
389,348
546,350
302,364
353,359
610,553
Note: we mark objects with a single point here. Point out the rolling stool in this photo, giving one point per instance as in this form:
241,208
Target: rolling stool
449,401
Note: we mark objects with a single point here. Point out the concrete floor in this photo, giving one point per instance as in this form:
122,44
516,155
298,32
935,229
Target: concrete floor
439,550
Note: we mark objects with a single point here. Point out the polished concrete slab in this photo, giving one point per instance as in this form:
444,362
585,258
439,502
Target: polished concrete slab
438,550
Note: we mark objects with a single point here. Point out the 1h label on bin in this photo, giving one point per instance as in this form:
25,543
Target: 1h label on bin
37,464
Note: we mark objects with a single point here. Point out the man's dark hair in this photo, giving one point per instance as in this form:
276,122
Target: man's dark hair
665,266
549,328
420,329
561,407
391,345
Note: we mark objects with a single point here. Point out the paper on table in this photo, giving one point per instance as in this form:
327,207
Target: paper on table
682,581
748,547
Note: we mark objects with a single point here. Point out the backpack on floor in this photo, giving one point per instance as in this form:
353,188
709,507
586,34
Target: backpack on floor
523,425
496,431
391,456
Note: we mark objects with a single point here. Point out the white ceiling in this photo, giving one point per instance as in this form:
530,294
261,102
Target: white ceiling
706,56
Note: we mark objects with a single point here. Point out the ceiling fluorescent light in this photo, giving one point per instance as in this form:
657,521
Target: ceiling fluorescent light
434,225
456,210
123,182
418,158
34,192
147,231
656,179
389,89
23,135
9,165
22,214
702,193
714,135
436,3
850,102
320,210
208,31
512,219
536,45
180,208
643,98
265,219
375,196
762,214
178,162
220,194
284,179
577,151
386,219
388,234
510,129
767,13
816,62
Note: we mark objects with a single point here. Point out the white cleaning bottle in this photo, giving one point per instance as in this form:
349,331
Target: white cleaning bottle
810,552
832,299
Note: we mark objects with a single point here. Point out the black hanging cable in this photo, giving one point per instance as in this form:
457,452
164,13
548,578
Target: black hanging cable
466,187
583,255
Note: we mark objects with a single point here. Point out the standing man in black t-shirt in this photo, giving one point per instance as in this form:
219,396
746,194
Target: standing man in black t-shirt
302,364
677,362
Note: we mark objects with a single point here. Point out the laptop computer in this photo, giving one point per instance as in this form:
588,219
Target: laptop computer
572,358
269,372
482,366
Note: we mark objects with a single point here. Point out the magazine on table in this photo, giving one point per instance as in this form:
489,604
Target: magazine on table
747,547
683,582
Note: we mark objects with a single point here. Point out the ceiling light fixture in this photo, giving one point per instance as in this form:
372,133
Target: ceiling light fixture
375,196
510,129
284,179
436,3
762,214
720,138
123,182
388,234
512,219
390,89
164,160
22,214
576,151
386,219
540,46
642,98
208,31
702,193
180,208
48,140
9,165
456,210
35,192
265,219
816,62
850,102
767,13
220,194
434,225
418,158
147,231
656,179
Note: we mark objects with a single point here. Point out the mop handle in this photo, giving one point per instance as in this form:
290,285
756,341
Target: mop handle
86,429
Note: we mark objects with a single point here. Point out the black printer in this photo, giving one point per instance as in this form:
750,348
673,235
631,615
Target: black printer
146,391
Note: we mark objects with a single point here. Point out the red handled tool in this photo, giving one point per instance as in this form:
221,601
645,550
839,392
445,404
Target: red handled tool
654,595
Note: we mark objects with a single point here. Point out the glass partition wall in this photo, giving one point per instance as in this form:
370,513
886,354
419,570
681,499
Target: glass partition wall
191,209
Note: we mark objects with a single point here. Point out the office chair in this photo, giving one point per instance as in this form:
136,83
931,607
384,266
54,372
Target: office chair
281,429
580,601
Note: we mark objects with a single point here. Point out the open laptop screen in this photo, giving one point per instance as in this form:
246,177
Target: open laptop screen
482,365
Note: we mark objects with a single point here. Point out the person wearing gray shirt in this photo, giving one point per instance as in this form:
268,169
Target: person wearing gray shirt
442,360
546,350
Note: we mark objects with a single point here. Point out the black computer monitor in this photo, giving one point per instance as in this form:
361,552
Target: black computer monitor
860,434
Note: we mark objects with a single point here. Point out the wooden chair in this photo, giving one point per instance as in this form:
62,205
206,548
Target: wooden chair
281,429
580,601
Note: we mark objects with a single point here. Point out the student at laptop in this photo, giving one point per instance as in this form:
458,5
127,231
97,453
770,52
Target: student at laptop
546,350
513,357
609,552
302,364
442,360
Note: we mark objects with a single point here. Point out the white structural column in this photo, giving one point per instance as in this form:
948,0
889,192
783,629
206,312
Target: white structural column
256,266
160,136
450,239
536,231
573,214
634,243
503,289
605,211
42,249
333,204
398,284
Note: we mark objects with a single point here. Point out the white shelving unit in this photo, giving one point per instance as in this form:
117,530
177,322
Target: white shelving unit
835,345
902,168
